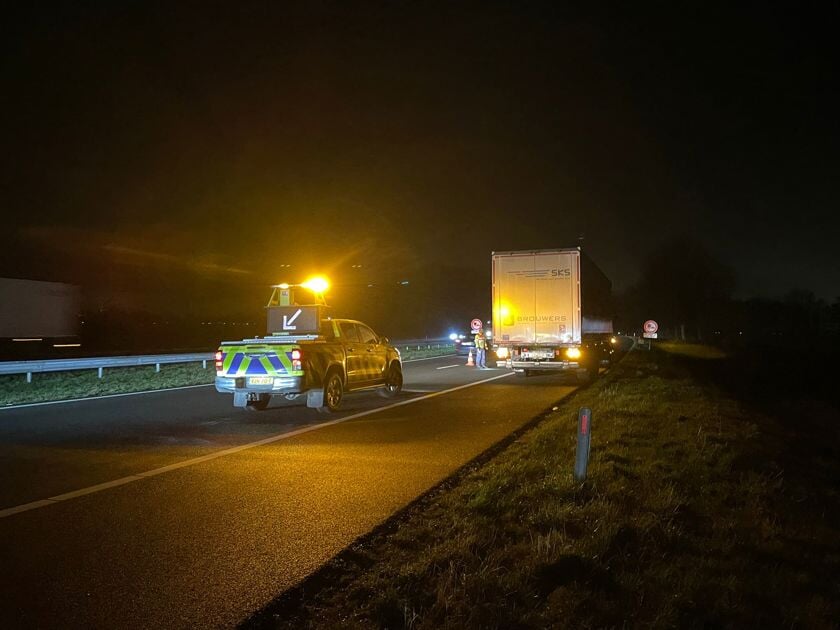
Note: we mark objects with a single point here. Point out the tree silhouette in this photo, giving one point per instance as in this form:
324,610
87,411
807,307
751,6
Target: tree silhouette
684,288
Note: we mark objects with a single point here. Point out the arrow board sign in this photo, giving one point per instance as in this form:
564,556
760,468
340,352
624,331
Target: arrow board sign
293,320
287,321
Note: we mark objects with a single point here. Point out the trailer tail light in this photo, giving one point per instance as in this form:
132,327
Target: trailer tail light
218,359
296,357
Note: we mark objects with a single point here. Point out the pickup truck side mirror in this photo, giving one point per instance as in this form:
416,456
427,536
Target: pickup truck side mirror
384,340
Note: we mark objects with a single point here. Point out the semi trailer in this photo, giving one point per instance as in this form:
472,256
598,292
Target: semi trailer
552,310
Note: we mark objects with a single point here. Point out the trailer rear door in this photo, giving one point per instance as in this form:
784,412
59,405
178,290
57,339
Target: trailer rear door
536,297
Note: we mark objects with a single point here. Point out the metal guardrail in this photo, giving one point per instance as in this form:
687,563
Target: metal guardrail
101,363
419,344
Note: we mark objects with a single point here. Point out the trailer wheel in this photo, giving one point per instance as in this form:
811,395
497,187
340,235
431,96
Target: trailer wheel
393,382
261,404
333,392
523,373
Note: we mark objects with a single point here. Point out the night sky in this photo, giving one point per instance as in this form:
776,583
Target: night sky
164,152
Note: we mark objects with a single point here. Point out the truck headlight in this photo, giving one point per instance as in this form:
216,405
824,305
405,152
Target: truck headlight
501,353
573,353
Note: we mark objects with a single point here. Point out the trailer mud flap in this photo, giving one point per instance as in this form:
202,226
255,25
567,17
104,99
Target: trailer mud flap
240,399
315,398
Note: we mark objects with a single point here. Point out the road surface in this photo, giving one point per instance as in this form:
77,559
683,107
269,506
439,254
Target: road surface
175,510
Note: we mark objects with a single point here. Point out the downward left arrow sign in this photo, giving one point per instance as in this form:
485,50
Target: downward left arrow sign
288,321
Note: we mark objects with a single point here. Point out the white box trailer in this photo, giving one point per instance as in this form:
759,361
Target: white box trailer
551,311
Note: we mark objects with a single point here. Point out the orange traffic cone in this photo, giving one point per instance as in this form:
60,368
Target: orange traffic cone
470,360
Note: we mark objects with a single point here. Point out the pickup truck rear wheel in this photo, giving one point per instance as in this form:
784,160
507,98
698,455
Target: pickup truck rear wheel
260,404
393,382
333,393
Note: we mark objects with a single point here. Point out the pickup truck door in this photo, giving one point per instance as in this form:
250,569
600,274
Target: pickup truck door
355,353
375,355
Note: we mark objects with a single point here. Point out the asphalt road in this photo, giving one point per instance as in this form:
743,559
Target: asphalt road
175,510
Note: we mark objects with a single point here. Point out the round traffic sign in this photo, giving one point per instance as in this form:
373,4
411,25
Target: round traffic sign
651,326
475,325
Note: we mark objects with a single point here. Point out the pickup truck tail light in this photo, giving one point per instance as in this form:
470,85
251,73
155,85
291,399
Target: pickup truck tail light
218,358
296,359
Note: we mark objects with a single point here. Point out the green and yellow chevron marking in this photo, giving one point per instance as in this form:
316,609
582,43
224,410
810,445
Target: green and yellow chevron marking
256,361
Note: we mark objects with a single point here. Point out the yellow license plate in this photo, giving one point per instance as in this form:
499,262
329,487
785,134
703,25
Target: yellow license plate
261,380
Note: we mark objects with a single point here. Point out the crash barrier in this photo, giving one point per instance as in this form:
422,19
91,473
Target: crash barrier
419,345
100,364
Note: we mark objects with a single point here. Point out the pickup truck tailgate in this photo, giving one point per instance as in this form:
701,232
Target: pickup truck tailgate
256,360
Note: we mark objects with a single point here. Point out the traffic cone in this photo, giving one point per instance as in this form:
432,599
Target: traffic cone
470,359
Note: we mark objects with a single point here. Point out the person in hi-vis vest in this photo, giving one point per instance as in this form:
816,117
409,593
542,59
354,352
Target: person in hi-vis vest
480,350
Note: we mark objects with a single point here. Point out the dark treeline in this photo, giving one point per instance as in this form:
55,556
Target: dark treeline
690,294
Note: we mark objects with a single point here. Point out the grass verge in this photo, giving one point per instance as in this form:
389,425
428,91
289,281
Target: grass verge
696,512
51,386
14,390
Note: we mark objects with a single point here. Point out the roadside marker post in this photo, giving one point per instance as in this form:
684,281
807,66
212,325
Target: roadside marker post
583,436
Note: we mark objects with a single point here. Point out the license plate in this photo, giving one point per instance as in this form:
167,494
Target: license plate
538,355
261,380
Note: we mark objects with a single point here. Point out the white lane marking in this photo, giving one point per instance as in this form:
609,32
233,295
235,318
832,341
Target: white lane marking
149,391
228,451
446,367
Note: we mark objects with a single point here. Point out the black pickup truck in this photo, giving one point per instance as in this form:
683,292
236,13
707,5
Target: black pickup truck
343,355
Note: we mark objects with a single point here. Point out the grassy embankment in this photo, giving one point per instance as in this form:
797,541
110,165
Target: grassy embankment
14,389
698,510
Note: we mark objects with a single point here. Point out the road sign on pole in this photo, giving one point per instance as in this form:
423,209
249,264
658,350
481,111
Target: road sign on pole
650,326
475,325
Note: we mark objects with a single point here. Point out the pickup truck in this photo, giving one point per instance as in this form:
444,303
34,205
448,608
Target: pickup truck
345,355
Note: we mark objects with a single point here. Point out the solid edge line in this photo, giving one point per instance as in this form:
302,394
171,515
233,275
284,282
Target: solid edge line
148,391
228,451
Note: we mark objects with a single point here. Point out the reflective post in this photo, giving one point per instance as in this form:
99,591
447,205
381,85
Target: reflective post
583,435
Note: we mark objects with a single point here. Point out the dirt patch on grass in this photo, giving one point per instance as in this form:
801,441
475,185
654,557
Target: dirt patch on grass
690,516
